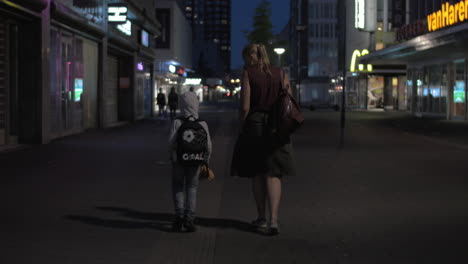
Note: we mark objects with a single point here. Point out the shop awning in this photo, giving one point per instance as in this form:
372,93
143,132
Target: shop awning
36,5
69,15
447,43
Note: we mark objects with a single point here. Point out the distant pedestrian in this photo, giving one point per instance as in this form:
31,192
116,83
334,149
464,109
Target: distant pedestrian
257,154
173,102
191,89
190,148
161,101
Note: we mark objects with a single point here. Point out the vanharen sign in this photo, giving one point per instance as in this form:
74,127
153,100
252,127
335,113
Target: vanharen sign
449,15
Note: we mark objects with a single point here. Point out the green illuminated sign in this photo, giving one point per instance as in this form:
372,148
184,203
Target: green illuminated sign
458,97
78,89
459,92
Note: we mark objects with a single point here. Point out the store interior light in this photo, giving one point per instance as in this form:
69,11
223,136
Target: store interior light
193,81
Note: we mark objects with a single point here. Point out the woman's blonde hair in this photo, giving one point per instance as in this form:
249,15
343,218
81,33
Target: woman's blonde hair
256,54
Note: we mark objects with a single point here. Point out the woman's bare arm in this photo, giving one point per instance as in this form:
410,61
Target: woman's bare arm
244,97
286,83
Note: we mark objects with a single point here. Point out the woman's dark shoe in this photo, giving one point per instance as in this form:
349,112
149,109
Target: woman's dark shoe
274,230
177,224
190,225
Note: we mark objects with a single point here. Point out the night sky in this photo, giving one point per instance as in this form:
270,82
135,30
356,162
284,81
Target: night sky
242,12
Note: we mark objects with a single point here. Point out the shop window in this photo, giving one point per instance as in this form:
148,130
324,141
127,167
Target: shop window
459,90
424,90
444,90
434,90
409,90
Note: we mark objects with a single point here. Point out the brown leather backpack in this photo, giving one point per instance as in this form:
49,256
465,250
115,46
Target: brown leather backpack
285,114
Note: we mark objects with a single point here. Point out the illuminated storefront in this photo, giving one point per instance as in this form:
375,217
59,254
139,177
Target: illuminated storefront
130,64
436,62
87,78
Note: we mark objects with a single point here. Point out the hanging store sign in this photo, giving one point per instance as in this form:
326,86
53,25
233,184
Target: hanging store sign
360,14
144,38
360,67
365,15
140,66
449,15
126,28
117,13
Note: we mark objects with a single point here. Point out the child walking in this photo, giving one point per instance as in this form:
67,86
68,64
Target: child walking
190,147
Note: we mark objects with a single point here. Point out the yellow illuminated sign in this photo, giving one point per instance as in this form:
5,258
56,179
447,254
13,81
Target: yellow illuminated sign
361,67
448,15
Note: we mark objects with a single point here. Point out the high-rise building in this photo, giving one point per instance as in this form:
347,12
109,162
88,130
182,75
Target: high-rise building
211,23
314,48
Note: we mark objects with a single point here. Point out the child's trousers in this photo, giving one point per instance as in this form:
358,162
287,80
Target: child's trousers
185,181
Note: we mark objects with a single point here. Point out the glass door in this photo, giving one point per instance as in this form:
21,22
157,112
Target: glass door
459,90
62,84
66,85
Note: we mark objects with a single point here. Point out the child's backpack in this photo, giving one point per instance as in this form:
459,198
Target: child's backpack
192,142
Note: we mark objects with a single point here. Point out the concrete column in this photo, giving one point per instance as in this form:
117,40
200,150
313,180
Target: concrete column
407,12
450,83
133,86
385,15
414,92
102,69
45,74
153,81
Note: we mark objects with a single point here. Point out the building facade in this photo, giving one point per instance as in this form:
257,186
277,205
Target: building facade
366,26
174,47
211,25
91,67
432,44
314,49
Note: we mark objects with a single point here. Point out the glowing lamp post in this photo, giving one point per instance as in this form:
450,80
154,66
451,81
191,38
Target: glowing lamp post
279,51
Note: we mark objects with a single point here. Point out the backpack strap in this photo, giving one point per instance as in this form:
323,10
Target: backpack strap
183,119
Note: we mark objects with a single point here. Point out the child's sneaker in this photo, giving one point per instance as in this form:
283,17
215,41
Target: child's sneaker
190,225
177,224
259,223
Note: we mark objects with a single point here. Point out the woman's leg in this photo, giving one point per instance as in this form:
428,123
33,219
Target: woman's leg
259,192
273,185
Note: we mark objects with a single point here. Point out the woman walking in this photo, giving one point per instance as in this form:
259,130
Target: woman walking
258,155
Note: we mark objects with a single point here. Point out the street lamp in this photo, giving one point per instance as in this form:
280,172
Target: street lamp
279,51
